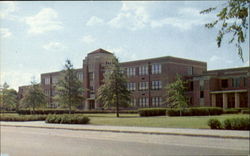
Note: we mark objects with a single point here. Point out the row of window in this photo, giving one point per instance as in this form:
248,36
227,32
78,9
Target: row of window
235,82
144,102
143,70
155,85
54,79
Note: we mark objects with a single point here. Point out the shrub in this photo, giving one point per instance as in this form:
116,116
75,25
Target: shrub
237,124
22,117
246,111
152,111
214,124
231,111
67,119
196,111
44,111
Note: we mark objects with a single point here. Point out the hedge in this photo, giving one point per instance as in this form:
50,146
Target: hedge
231,111
195,111
66,111
230,124
152,111
23,118
67,119
246,111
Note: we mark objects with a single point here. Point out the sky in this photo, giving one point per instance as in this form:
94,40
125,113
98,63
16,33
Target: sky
38,36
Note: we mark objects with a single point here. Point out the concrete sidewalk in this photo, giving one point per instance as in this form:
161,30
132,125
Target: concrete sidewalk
232,134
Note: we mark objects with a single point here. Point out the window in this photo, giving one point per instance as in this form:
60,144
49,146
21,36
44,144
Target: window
190,70
54,80
91,76
156,68
143,70
47,92
236,82
156,101
131,71
131,86
143,102
244,82
224,83
47,80
201,94
143,85
133,102
156,85
80,76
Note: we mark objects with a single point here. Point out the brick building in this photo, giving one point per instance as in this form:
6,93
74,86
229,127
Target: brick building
147,78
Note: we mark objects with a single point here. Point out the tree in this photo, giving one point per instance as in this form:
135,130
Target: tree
34,96
233,19
69,91
176,94
114,91
8,98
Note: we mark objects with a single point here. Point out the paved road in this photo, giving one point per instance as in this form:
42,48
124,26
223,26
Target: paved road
21,141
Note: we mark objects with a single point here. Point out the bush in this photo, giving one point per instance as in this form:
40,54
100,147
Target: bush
152,111
231,111
237,124
44,111
22,117
246,111
67,119
196,111
214,124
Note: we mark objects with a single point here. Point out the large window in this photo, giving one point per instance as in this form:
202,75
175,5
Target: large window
47,80
190,70
91,76
131,86
143,70
143,85
131,71
133,102
156,85
143,102
156,68
236,82
54,80
156,101
80,76
224,83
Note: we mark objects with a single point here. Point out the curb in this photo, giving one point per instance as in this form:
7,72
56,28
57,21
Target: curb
136,132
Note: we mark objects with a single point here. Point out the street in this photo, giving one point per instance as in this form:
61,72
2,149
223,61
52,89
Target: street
21,141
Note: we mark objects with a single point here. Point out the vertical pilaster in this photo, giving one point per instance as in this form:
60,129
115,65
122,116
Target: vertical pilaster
213,100
237,100
225,101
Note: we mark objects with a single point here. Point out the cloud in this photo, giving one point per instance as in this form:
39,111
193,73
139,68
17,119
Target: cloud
94,21
214,58
44,21
88,39
5,33
6,10
54,46
123,54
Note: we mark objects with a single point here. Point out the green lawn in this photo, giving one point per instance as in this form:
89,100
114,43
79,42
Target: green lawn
158,121
162,121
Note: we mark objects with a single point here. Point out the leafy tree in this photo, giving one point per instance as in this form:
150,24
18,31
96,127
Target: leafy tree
114,91
8,98
176,94
34,96
233,20
69,91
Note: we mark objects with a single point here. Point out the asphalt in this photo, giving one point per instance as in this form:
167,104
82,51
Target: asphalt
231,134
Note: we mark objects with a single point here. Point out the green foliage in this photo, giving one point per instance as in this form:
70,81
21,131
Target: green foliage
237,124
176,94
233,20
33,97
44,111
152,111
114,90
245,111
231,111
67,119
22,117
214,124
69,91
8,98
196,111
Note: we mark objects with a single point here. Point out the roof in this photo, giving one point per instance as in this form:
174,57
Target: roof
100,50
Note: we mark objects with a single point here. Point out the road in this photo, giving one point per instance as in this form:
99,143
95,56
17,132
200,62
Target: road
21,141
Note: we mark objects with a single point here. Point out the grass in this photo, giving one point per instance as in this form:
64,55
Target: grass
199,122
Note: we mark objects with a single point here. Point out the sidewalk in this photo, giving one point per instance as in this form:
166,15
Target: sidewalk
231,134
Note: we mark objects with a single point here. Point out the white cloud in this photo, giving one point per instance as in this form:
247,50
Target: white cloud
94,21
88,39
247,63
5,33
6,9
214,58
44,21
54,46
123,54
